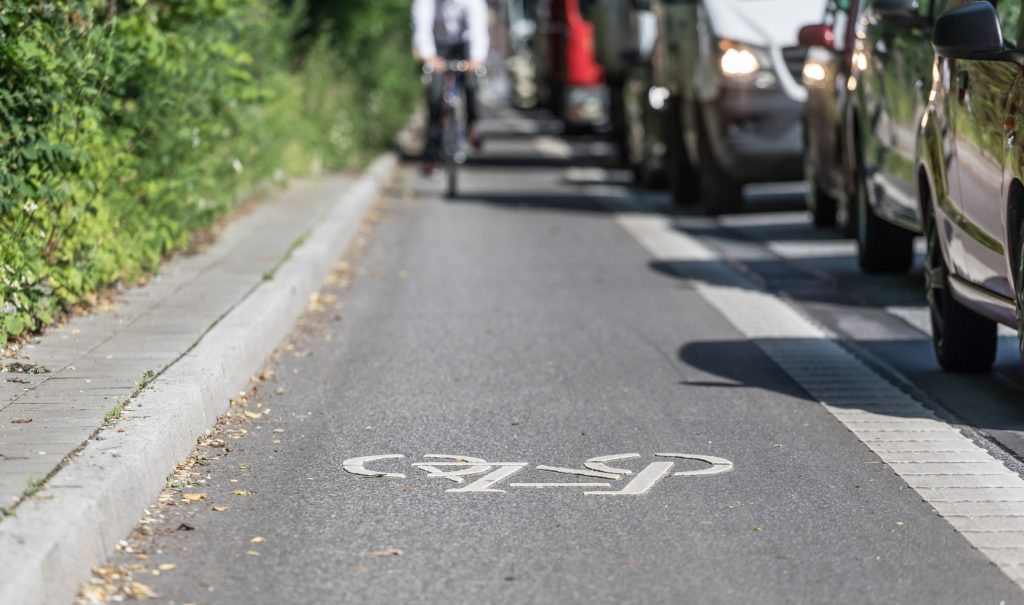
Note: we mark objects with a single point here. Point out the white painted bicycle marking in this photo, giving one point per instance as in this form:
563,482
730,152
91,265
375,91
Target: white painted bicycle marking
598,463
573,471
644,480
456,475
542,485
356,466
718,465
487,476
485,483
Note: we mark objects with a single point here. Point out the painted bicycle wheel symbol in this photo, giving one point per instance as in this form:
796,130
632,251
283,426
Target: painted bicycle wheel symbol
488,477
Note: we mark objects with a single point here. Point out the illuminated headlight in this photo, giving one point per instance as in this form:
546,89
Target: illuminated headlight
860,60
741,62
814,72
657,96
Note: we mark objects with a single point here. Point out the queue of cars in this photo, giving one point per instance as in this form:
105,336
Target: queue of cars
925,142
902,115
725,77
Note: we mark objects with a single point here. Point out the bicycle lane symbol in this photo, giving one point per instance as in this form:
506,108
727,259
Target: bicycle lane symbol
488,476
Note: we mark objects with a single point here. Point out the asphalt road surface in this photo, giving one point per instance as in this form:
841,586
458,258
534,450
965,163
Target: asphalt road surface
526,324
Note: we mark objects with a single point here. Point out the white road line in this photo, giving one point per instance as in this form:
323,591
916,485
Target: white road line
973,491
552,147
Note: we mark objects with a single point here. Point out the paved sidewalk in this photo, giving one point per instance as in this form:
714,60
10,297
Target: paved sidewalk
58,390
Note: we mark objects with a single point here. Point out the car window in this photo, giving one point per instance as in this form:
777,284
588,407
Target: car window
1009,18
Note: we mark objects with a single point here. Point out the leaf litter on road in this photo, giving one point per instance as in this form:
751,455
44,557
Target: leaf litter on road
388,552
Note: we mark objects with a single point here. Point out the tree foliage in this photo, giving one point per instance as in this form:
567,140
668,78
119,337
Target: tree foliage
126,125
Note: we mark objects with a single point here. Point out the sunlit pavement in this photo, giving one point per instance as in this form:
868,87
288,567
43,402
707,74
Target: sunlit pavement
551,390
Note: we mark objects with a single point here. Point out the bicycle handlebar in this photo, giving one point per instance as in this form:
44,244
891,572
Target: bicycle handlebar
456,67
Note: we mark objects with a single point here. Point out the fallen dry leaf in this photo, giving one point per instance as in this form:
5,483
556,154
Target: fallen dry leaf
139,590
194,497
390,552
166,566
258,540
218,509
252,553
252,415
240,492
21,421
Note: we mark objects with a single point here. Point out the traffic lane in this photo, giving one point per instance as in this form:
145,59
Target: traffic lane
541,335
887,315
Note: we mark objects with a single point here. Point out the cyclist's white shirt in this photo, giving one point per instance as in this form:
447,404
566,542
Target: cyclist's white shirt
450,22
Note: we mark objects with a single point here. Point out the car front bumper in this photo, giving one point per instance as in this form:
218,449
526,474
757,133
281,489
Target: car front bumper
756,135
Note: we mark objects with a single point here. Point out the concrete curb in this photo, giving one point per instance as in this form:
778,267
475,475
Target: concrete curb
48,548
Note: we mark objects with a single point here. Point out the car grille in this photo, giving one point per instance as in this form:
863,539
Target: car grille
795,57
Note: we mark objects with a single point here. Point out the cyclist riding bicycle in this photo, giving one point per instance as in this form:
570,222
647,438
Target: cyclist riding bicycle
443,31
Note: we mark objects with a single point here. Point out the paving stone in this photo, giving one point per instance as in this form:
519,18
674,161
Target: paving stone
974,494
979,509
996,540
987,524
1006,558
948,468
903,437
977,455
953,445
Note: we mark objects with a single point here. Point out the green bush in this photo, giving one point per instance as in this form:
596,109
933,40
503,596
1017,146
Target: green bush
127,125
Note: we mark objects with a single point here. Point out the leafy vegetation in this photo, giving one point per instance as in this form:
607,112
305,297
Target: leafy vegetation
127,125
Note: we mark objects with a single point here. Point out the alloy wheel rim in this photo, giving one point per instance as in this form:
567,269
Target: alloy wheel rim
935,280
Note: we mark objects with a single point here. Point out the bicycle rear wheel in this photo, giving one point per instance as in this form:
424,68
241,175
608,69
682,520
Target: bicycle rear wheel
452,172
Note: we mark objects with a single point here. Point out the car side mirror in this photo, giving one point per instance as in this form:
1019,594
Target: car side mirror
817,35
971,31
898,12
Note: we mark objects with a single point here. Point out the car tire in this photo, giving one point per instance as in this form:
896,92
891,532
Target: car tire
682,181
720,193
617,119
846,217
636,140
822,206
881,246
1019,291
964,341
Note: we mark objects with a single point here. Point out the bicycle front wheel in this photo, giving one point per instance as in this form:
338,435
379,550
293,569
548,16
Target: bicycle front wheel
451,163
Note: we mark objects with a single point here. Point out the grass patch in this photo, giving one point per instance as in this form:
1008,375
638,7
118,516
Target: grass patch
269,275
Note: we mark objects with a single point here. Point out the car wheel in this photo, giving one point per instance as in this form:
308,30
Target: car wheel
964,341
682,182
1019,289
720,193
821,205
846,218
618,120
881,246
636,139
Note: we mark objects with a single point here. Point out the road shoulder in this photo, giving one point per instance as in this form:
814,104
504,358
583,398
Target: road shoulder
75,521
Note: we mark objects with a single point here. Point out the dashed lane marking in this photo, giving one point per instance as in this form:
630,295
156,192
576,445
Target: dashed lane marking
981,498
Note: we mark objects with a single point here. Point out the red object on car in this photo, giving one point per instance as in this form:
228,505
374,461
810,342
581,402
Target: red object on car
581,66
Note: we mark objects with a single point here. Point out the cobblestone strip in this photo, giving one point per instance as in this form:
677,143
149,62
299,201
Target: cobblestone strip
981,498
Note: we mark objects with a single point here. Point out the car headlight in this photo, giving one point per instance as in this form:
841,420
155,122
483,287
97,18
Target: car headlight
814,72
741,62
